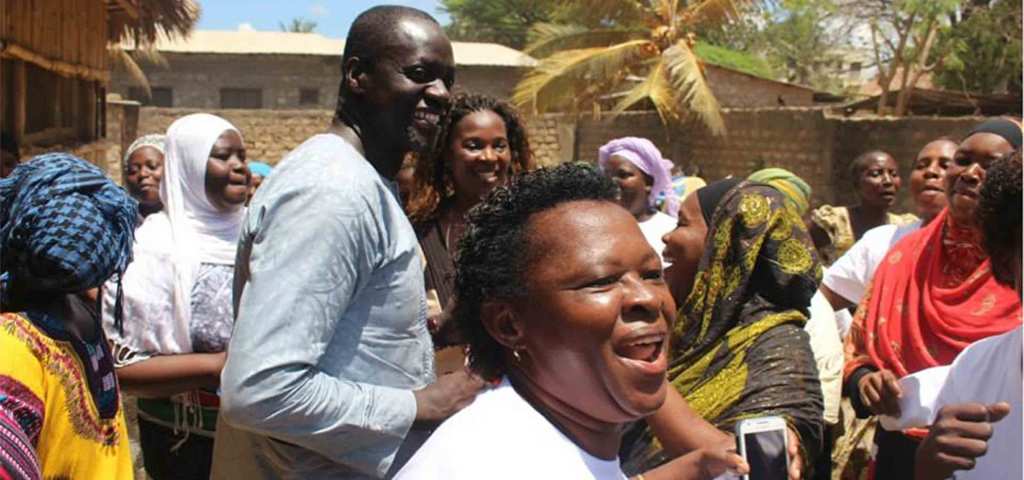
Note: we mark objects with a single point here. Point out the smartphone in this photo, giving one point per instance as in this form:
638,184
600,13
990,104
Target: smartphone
763,443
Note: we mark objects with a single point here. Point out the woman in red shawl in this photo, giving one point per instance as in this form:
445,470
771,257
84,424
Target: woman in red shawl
933,295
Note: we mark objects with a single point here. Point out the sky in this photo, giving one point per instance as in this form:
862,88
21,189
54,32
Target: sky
333,17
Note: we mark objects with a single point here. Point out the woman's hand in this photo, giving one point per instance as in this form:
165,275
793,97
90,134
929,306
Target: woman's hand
796,459
702,464
880,391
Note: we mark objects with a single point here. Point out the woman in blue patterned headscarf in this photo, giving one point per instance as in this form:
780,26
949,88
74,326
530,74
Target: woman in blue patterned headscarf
65,229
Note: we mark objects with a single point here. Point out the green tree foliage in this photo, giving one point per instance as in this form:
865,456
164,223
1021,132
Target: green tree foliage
796,40
506,22
298,25
982,51
902,34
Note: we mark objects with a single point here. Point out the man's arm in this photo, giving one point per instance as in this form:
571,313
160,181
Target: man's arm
308,251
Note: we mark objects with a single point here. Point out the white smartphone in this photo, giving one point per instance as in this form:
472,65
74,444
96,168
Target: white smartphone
764,444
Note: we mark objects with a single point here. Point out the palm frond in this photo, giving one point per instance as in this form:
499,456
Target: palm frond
149,54
666,11
546,38
715,12
564,78
608,9
156,17
686,75
656,88
120,58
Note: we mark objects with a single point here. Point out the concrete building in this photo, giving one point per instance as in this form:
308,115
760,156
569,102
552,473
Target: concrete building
282,70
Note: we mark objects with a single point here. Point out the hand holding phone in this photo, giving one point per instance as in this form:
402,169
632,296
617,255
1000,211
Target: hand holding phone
764,443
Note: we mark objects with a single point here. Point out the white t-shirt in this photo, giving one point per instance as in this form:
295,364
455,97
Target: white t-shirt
500,436
987,371
849,276
656,227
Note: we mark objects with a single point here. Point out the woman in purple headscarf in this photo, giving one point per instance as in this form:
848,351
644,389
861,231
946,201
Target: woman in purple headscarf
643,177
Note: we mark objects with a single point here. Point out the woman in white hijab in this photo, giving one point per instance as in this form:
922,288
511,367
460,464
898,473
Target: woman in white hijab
177,294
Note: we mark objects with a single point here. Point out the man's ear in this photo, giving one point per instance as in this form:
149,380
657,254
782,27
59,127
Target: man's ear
503,324
355,70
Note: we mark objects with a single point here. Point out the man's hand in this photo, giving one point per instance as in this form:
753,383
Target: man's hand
449,394
959,435
880,391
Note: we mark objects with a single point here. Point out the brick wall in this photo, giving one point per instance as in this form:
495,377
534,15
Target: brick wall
738,89
903,138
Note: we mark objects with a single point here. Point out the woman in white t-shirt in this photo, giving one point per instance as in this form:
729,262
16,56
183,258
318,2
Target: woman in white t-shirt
644,178
565,311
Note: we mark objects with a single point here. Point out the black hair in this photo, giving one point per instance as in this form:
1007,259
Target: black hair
999,214
373,31
433,175
495,254
859,164
9,144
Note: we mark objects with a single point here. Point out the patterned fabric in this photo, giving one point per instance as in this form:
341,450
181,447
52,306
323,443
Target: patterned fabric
796,191
835,221
49,375
927,303
21,419
738,347
153,140
64,226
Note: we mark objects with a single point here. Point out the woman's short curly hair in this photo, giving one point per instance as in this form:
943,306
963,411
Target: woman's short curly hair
495,255
999,213
433,177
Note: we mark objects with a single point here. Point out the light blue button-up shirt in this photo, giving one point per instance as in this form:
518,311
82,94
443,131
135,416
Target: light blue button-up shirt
330,338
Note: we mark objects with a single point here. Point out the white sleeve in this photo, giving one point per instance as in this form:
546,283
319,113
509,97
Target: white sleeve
850,274
828,354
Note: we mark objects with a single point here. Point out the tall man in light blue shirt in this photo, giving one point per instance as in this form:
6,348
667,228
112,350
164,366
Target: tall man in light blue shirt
330,368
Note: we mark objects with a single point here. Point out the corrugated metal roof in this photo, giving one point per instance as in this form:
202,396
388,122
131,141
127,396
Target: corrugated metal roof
251,42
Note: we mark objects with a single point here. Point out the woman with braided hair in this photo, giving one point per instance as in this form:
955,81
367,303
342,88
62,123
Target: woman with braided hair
65,229
483,142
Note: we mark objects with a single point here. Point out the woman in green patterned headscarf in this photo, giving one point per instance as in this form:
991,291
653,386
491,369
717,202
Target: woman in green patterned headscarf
744,270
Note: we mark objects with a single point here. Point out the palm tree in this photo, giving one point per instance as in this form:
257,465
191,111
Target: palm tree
154,19
648,57
298,25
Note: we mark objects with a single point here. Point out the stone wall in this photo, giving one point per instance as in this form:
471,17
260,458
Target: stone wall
811,142
268,134
814,144
196,80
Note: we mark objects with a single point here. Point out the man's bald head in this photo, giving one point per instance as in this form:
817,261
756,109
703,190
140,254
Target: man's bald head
376,31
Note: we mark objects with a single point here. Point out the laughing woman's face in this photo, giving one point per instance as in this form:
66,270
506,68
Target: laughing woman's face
595,328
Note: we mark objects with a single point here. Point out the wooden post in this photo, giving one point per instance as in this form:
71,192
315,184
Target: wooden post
20,88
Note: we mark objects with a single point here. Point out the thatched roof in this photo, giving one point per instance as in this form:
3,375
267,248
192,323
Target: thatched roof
143,21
